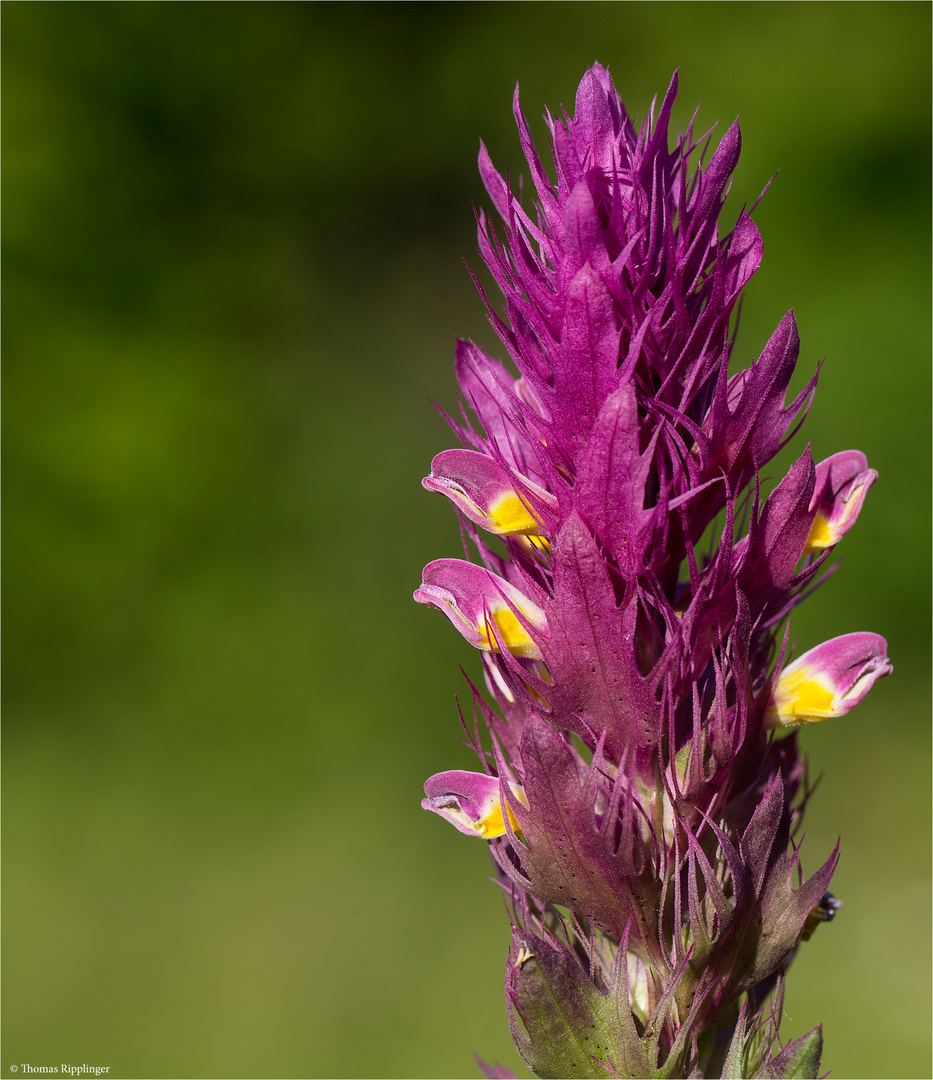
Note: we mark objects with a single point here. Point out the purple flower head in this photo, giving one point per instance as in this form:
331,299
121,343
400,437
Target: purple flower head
638,804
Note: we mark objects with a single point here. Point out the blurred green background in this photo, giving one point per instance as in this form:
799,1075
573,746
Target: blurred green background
233,242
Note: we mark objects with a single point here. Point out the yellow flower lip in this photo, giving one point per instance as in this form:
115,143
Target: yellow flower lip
510,513
801,697
512,634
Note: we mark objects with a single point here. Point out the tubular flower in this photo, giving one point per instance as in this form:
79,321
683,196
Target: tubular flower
842,482
486,609
471,802
639,787
829,680
486,493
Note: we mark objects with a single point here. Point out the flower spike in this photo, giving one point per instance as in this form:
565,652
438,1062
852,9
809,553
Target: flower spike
828,681
647,784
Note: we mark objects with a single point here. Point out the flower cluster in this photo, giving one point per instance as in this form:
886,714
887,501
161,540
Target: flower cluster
642,788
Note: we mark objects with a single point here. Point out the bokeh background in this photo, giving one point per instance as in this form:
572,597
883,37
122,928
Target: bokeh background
233,237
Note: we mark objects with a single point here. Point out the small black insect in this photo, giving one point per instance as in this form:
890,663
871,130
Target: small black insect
825,911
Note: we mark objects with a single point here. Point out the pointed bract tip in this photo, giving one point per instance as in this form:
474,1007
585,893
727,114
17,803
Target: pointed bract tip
494,1072
828,681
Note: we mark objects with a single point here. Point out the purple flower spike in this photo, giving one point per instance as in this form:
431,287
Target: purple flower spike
633,573
829,680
